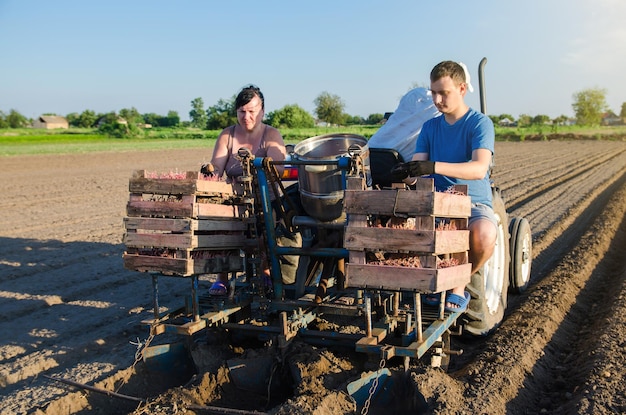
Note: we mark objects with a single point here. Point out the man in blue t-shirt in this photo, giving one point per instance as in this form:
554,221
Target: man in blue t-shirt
458,148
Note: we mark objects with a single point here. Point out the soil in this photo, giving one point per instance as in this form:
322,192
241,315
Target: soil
69,309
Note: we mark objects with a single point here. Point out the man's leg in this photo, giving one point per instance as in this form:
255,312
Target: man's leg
482,242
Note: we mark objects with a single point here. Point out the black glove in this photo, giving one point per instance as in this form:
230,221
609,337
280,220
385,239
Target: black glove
412,169
207,169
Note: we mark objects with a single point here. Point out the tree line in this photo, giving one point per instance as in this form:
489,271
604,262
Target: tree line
589,107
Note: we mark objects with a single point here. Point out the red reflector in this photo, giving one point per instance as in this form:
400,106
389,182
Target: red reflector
290,173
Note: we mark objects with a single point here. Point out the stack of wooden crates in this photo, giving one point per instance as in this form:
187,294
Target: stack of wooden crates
182,226
429,227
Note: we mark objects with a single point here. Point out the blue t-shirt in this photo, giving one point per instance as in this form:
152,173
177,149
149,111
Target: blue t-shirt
454,144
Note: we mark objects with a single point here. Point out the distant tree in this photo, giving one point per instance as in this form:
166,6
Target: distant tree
172,119
222,114
290,116
87,119
589,105
72,119
329,108
622,113
3,120
374,119
198,115
540,119
131,115
111,124
353,119
152,119
524,120
560,120
16,120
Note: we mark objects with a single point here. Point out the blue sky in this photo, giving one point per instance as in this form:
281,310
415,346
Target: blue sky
68,56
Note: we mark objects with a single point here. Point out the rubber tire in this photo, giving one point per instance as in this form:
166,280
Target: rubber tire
489,286
521,254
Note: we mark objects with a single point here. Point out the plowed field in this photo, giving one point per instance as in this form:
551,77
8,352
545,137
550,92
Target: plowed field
69,309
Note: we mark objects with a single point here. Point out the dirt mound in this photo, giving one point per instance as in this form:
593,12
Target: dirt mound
71,311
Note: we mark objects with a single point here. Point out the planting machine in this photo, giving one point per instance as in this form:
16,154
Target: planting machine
344,248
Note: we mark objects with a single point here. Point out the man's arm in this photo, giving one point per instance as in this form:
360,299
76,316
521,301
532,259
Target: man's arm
474,169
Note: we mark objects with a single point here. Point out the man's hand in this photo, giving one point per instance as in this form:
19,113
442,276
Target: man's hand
207,169
412,169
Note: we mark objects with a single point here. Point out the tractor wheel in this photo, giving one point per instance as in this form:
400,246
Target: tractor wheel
521,254
489,286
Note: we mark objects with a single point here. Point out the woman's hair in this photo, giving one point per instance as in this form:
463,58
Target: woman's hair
246,94
448,68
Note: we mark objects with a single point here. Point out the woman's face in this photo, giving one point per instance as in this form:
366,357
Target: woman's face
251,114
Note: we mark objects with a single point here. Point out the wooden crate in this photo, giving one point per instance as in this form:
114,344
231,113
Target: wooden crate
180,198
172,224
421,212
182,262
184,233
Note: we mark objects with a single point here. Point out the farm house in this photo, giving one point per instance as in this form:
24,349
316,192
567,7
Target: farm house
50,122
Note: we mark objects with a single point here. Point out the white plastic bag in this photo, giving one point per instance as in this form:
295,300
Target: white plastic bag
402,128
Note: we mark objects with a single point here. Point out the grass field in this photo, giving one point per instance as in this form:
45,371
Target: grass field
29,141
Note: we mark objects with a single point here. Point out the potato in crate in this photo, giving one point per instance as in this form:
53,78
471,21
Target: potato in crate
182,225
409,240
186,196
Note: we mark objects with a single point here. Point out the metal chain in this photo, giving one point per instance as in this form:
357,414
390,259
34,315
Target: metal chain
372,390
141,348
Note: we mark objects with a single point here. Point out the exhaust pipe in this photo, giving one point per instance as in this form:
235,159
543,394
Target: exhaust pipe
481,85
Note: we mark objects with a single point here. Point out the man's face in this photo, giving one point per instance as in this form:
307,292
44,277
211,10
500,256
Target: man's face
447,95
250,114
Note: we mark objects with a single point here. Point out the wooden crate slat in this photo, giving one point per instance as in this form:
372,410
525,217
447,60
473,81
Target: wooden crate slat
154,208
160,224
209,210
407,279
145,263
161,240
220,241
451,205
406,202
183,241
150,208
139,183
219,224
184,224
181,266
387,202
390,239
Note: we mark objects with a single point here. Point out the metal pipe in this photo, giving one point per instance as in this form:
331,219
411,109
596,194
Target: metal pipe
417,303
155,296
194,298
277,278
312,222
321,252
481,85
368,316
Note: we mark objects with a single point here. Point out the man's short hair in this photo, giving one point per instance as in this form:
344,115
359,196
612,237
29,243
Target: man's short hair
448,68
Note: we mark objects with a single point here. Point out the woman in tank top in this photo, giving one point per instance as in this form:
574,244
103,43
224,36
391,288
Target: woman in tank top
250,132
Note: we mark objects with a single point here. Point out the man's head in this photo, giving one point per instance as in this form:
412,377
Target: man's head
448,85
